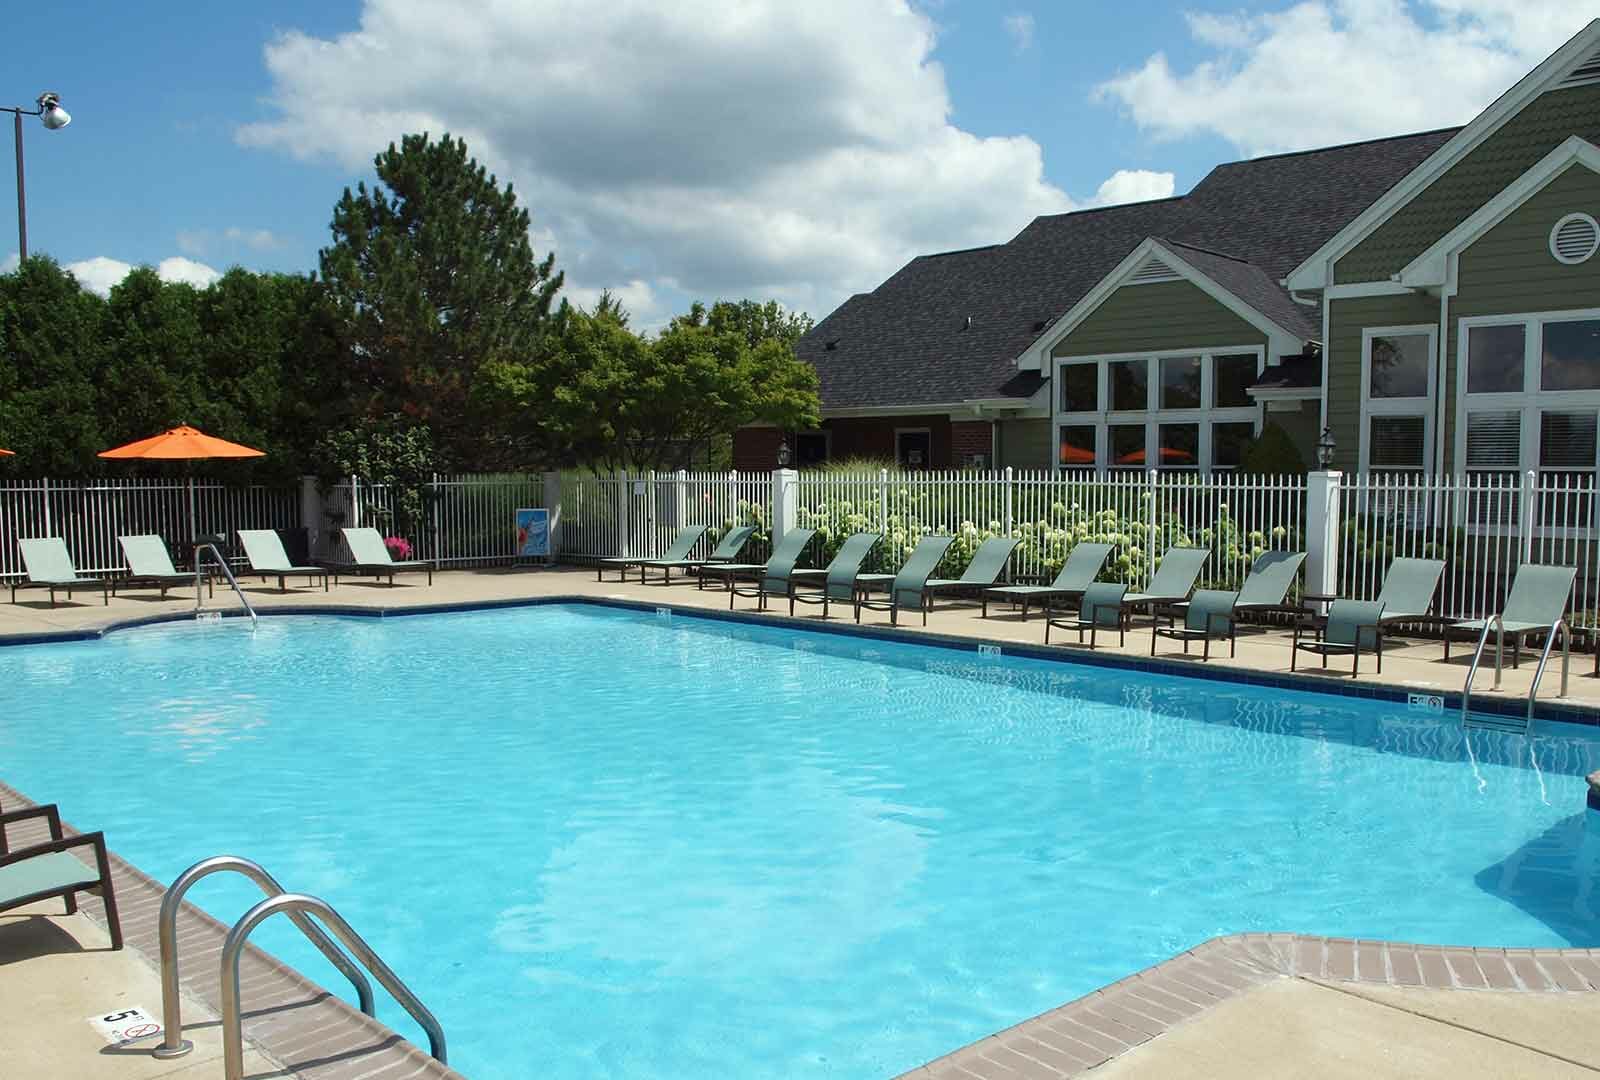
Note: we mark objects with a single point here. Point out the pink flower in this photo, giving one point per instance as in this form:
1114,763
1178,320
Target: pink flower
399,547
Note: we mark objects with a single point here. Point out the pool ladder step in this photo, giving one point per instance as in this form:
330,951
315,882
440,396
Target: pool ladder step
299,907
1511,725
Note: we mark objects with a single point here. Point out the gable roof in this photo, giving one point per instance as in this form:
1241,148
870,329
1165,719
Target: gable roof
907,343
1568,68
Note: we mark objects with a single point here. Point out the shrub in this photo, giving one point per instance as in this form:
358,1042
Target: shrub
1273,453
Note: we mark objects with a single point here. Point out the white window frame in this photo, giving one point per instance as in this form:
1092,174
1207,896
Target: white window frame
1152,416
1423,407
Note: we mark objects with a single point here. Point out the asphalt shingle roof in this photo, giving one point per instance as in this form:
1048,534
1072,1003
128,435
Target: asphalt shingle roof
908,341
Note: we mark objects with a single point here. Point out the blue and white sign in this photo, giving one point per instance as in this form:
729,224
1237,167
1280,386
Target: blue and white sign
533,534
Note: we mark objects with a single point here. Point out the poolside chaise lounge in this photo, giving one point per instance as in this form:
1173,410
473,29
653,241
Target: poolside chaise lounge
1077,573
987,564
839,581
267,559
773,578
910,586
49,566
1351,625
149,565
47,870
1101,609
682,544
370,555
726,551
1208,616
1537,605
1172,582
1266,587
1409,588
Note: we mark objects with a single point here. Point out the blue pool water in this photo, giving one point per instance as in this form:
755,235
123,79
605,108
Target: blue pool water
600,843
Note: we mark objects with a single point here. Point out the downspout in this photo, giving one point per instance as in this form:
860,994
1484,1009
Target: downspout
1327,350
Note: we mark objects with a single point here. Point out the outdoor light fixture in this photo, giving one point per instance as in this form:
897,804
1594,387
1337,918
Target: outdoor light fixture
1325,448
783,453
54,118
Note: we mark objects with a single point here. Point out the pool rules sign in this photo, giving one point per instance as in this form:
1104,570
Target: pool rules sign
125,1025
533,534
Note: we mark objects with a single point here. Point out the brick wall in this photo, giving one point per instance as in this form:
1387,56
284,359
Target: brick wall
968,437
755,449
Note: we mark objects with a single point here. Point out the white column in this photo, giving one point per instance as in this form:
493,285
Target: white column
1322,533
552,503
785,502
680,499
310,511
624,495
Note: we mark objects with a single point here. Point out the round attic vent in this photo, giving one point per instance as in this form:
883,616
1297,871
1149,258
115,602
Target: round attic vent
1575,239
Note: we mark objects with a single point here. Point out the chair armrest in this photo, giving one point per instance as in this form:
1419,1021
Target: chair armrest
95,840
49,813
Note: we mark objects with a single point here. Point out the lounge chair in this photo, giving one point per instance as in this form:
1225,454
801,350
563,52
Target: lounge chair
370,555
1173,580
682,544
1537,605
726,551
43,871
1077,573
1101,609
910,585
772,578
1409,588
1266,587
1208,616
987,564
149,565
839,581
267,559
49,566
1351,625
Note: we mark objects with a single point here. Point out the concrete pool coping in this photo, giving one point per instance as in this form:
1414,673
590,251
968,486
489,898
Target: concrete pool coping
1130,1010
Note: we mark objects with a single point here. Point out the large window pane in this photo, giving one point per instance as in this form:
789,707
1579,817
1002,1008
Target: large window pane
1399,366
1130,381
1180,446
1567,440
1228,442
1080,387
1232,377
1398,442
1127,445
1571,359
1494,359
1494,440
1076,448
1180,382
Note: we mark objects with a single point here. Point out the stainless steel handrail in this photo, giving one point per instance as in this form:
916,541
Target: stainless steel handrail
233,947
222,564
1477,655
1544,657
173,1044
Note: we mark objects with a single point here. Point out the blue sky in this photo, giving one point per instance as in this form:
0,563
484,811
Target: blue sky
700,150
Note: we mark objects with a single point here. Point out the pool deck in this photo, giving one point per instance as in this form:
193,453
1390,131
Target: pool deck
1245,1005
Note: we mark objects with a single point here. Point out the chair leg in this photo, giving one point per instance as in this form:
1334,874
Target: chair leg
1294,655
1233,644
1355,658
1205,650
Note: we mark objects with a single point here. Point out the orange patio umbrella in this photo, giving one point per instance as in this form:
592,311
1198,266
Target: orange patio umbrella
8,453
182,443
1168,453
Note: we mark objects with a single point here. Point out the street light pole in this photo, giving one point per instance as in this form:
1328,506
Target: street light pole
54,118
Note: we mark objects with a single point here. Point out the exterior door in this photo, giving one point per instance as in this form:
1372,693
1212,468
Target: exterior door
913,448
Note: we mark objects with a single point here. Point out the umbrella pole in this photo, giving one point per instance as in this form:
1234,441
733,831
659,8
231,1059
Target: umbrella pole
194,539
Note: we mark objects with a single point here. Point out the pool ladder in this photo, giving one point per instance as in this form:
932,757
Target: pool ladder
298,907
222,564
1511,724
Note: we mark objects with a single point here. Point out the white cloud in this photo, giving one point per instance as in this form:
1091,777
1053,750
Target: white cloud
1134,185
10,263
254,239
100,274
1020,26
1328,71
637,297
756,153
205,241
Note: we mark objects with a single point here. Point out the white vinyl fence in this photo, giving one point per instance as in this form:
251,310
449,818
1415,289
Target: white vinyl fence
638,514
1484,525
90,514
467,520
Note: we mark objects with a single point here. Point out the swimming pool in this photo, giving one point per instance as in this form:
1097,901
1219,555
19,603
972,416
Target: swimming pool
596,841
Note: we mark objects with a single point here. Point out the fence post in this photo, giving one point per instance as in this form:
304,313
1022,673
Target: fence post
883,500
552,505
733,499
1322,533
1009,522
623,530
311,511
1150,545
1530,492
44,488
434,499
785,502
680,499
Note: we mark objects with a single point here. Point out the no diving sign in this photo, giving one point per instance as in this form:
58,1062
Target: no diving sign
125,1025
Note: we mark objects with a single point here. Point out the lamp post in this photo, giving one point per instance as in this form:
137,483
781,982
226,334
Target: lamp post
783,453
54,118
1325,448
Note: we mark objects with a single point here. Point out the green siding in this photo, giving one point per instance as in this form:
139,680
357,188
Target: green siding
1510,271
1346,320
1542,126
1154,318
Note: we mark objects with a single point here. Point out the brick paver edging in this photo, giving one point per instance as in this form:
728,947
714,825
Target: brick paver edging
1101,1025
303,1028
